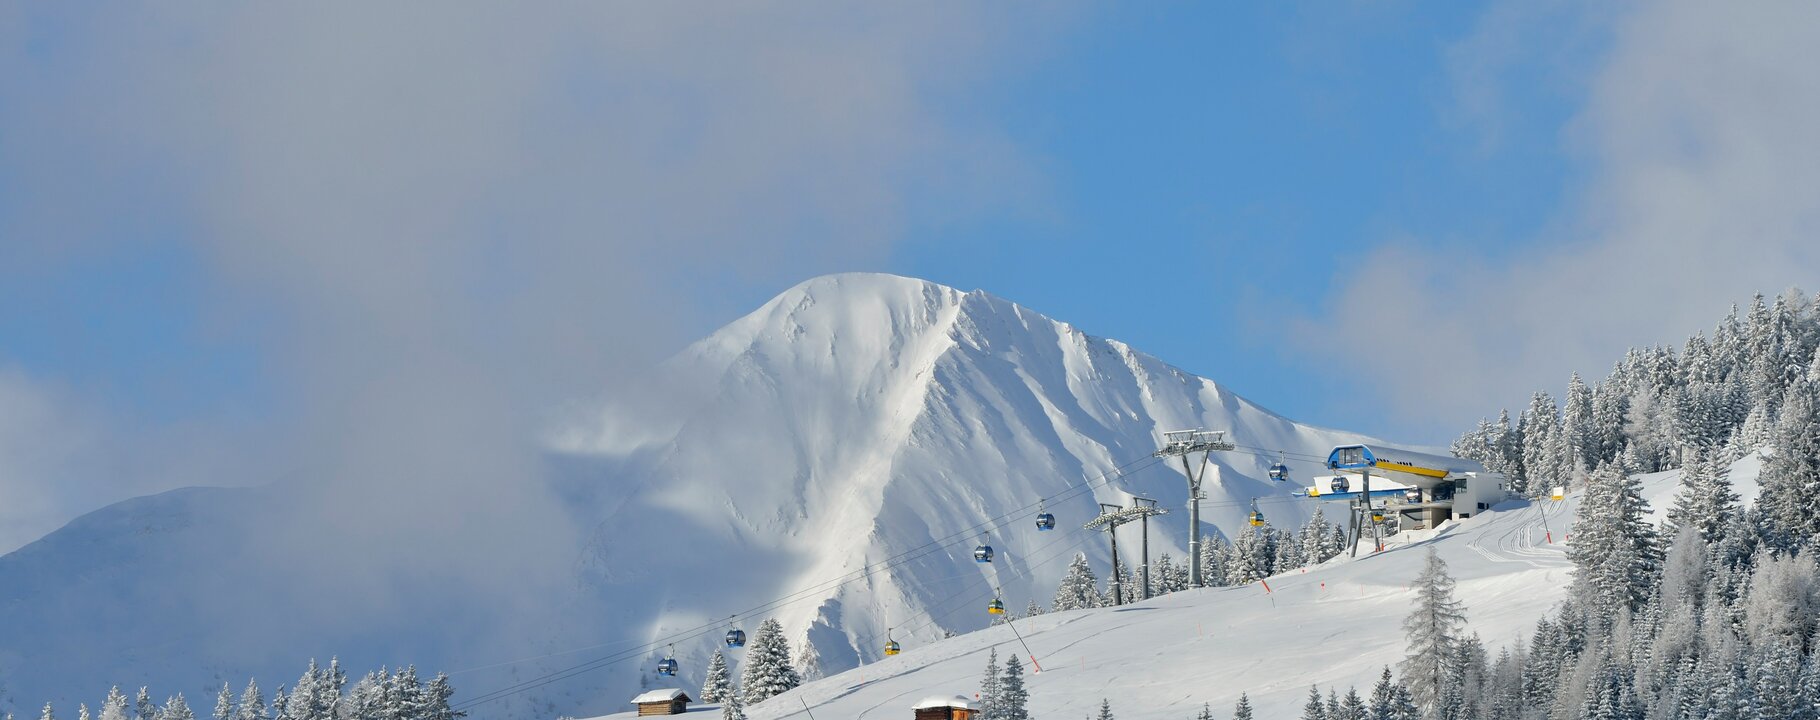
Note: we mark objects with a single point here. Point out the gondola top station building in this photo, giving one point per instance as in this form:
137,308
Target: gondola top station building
1423,490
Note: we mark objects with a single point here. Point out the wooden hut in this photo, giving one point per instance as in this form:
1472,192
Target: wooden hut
945,708
662,702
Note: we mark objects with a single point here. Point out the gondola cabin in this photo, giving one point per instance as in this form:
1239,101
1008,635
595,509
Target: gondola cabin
982,553
1279,472
996,607
945,708
667,667
1257,519
1045,521
892,648
736,638
662,702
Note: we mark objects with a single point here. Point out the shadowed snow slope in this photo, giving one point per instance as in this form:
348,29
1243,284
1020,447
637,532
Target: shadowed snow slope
843,426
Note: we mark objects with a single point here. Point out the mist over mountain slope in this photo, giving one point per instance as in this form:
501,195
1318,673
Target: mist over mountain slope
851,420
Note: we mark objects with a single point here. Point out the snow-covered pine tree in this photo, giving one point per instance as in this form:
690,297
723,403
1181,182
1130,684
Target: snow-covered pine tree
1783,606
1316,537
1162,576
1615,550
991,707
1288,552
1706,501
1031,609
1079,588
1352,707
1504,699
768,671
1248,559
1105,710
715,686
1014,697
1433,628
82,712
143,706
115,706
436,700
1402,706
409,698
176,709
1384,697
1471,671
224,703
48,713
281,704
1314,709
1791,476
1216,556
733,708
1242,710
1539,425
367,698
1206,712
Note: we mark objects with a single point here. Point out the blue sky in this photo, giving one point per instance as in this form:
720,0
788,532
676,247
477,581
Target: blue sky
223,236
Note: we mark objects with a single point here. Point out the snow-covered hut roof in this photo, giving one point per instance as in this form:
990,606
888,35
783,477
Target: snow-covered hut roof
656,696
938,701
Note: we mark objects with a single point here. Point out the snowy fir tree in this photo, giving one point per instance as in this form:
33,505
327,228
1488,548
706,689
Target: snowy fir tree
768,670
718,683
1206,712
281,704
1614,548
1352,707
1031,609
1214,553
1706,501
1433,629
1314,709
175,709
1162,576
1105,710
82,712
1014,697
1791,476
224,704
1242,710
47,714
1079,587
143,708
990,701
1316,539
115,706
733,708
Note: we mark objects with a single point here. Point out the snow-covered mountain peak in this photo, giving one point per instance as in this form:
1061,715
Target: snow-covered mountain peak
855,421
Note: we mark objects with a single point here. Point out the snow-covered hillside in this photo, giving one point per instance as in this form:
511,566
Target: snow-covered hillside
853,419
1332,625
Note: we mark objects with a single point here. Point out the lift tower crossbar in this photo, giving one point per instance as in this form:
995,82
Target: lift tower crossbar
1183,443
1110,518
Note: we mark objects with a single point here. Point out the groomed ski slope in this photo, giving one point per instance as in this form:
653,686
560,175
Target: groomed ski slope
1337,624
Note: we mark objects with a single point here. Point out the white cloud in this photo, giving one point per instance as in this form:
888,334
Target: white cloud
460,215
1698,134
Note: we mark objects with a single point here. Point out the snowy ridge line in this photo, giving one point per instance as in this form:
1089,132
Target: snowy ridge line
1105,478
